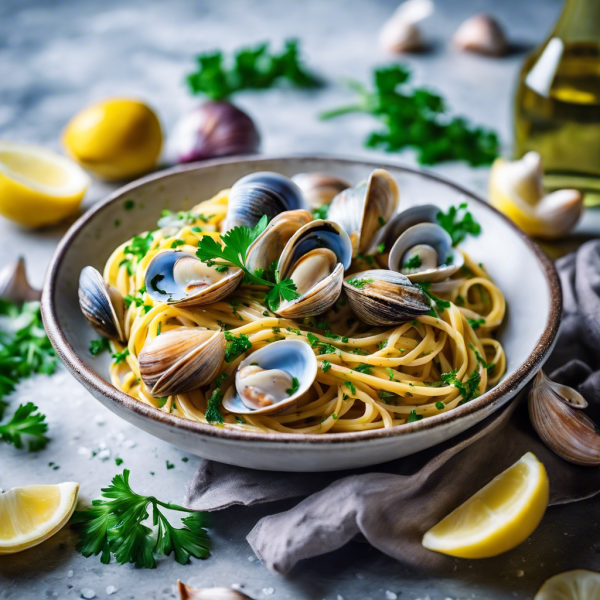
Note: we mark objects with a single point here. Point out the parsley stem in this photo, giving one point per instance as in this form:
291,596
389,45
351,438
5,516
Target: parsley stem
343,110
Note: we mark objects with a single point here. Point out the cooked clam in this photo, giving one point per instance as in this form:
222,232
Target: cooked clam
556,414
315,259
101,304
269,245
181,360
424,253
364,209
320,188
260,194
182,279
272,379
381,297
14,285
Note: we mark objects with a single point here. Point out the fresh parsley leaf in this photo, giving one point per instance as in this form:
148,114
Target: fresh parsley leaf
321,347
390,373
414,416
235,345
98,346
25,422
135,251
321,212
294,388
350,386
358,283
437,304
416,118
213,412
476,323
250,69
114,526
487,366
120,356
221,379
459,223
413,262
440,405
363,368
468,391
325,366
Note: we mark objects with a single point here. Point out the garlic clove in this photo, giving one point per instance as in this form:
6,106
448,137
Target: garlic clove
400,32
516,189
189,593
566,430
481,34
14,285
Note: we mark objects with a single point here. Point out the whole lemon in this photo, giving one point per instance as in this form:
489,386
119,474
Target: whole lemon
118,138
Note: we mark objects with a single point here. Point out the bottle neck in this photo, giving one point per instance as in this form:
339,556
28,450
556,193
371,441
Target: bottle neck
579,21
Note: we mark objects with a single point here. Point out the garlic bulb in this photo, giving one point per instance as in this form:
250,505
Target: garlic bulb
214,129
400,33
556,415
515,188
190,593
14,285
481,34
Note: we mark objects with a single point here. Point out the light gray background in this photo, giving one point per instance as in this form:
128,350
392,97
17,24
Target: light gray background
55,57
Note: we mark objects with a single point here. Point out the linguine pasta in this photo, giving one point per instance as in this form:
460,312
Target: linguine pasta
368,378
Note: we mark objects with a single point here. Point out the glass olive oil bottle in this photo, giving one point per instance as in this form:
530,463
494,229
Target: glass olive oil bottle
557,110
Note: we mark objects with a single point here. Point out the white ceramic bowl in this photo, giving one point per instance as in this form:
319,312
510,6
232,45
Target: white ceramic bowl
517,265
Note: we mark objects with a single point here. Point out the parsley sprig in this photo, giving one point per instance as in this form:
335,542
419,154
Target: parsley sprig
416,118
467,390
249,69
25,422
459,223
116,526
233,254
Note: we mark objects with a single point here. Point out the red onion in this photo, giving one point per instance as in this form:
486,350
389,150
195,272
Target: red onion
214,129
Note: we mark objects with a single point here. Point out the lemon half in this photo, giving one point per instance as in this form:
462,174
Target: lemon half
33,513
498,517
38,187
571,585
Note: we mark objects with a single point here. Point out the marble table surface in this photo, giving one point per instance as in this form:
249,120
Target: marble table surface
58,55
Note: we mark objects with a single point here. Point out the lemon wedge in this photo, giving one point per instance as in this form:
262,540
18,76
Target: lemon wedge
33,513
37,186
117,138
498,517
571,585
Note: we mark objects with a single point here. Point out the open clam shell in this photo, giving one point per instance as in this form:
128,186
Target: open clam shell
364,209
259,194
293,357
380,297
269,245
320,188
182,279
431,246
181,360
101,304
315,259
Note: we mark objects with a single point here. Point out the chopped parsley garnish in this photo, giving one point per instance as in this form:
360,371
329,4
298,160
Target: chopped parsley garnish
414,416
487,366
135,251
390,373
265,313
236,345
385,394
115,526
220,379
321,212
233,253
359,351
468,391
358,283
249,69
381,248
437,304
325,366
120,356
459,223
363,368
414,117
98,346
295,386
332,336
129,204
213,412
240,419
161,401
476,323
414,262
222,269
440,405
177,243
292,330
136,298
383,344
350,386
154,283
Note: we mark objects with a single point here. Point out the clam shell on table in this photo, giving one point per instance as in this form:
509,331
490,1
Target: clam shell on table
182,279
315,259
320,188
259,194
385,297
433,245
361,210
102,305
294,357
181,360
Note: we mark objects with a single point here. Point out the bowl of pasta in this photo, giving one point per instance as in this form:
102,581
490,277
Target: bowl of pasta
300,313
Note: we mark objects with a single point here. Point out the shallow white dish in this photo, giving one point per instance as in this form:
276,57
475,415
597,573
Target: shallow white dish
524,274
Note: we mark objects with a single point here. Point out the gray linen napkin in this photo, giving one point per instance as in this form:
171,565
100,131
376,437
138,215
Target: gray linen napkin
394,504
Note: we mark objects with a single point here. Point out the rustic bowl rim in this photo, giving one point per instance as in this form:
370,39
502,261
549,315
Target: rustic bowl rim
95,382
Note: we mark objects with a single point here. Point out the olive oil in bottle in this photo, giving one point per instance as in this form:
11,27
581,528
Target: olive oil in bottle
557,111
